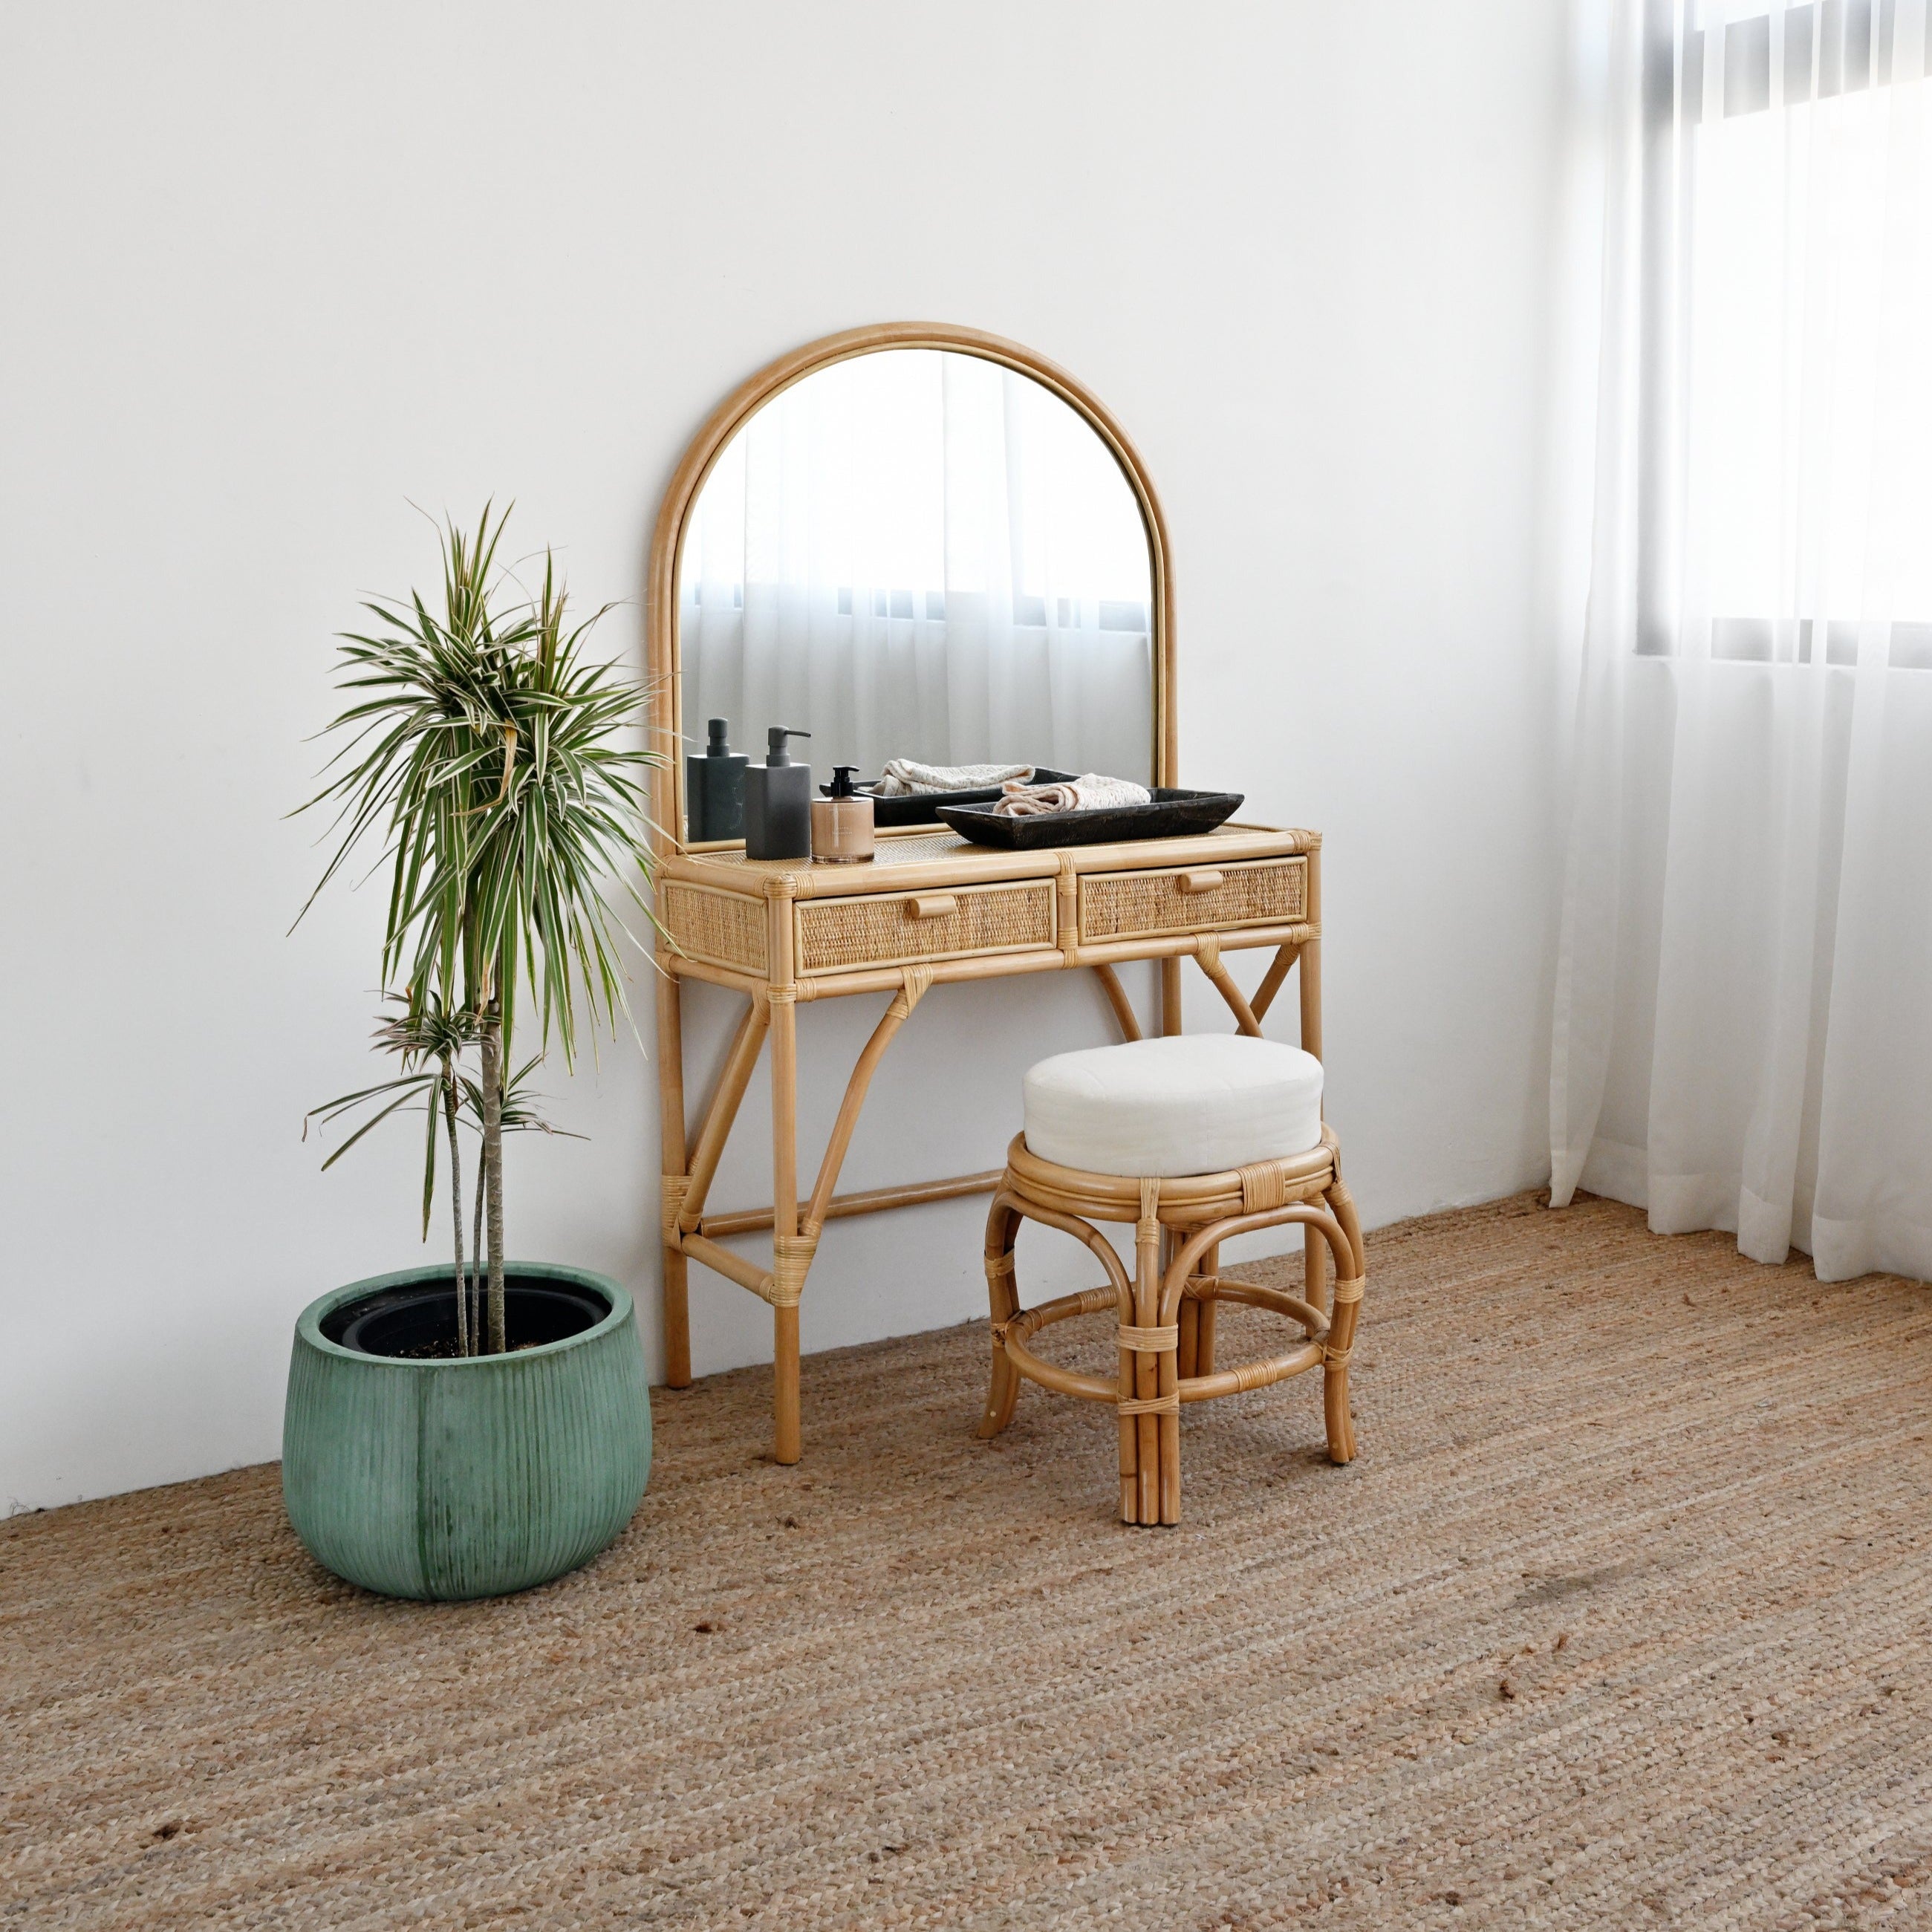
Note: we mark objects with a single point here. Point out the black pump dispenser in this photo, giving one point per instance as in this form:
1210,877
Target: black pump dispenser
714,788
777,801
841,781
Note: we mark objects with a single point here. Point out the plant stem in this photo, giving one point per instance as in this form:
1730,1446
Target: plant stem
456,1208
476,1289
492,1164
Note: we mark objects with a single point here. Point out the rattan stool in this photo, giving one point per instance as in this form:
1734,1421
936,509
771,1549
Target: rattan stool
1164,1315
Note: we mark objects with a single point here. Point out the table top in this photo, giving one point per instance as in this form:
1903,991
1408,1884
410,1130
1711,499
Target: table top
907,859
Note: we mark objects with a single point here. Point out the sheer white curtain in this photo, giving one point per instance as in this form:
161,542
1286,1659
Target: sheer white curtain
1744,1021
917,554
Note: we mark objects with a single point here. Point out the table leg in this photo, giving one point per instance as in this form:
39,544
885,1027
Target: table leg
784,1219
787,1445
675,1293
677,1319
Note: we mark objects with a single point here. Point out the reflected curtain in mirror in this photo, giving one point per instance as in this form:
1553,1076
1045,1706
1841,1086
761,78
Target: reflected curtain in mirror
920,553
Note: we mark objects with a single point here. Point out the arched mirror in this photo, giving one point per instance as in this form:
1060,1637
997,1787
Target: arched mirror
920,545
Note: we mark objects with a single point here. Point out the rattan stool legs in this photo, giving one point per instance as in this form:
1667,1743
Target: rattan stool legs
1164,1315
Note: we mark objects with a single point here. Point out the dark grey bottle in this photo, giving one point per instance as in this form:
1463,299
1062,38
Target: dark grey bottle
714,788
778,802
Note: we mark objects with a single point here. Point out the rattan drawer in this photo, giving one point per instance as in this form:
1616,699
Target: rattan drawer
1192,898
896,929
720,928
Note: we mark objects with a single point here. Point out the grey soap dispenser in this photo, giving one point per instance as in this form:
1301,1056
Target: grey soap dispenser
714,788
778,802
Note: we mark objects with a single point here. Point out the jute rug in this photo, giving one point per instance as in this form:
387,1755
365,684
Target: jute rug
1624,1617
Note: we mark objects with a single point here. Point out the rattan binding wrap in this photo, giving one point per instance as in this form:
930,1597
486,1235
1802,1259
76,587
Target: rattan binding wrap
876,930
718,928
1264,1185
1119,905
676,1189
791,1262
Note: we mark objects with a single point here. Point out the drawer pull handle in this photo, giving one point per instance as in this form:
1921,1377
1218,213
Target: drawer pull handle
1201,882
934,905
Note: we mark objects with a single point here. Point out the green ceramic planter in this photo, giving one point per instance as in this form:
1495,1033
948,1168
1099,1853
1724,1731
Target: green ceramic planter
445,1480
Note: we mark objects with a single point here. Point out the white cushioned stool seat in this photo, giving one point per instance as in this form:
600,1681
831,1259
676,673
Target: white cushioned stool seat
1196,1103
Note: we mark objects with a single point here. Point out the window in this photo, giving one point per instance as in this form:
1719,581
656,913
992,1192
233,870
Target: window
1786,417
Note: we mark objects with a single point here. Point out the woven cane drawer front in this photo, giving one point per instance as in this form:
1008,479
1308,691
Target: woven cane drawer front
895,928
1192,898
720,928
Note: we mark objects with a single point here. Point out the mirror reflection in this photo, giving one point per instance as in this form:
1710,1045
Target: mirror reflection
919,555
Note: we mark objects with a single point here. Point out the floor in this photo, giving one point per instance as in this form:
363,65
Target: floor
1623,1617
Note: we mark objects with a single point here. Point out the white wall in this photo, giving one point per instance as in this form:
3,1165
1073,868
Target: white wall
273,274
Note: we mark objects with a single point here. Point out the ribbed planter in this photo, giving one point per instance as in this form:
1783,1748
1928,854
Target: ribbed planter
445,1480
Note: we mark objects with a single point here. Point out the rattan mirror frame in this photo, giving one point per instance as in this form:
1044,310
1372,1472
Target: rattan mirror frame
664,658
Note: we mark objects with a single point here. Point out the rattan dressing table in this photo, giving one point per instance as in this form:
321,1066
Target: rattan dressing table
931,909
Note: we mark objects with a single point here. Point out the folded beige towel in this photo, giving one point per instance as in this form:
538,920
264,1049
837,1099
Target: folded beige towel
1092,793
904,776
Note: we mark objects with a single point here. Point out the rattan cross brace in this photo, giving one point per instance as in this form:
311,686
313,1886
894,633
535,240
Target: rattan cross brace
1190,1218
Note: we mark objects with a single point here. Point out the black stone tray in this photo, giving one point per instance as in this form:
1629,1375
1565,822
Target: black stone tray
918,808
1173,814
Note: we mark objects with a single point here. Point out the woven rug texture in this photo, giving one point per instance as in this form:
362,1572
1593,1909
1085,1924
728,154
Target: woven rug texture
1623,1617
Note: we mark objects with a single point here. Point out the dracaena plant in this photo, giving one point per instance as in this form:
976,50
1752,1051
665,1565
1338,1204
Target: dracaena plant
492,762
